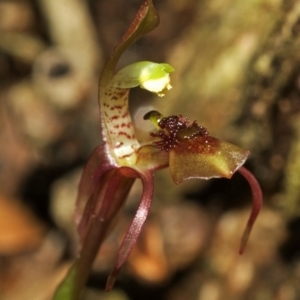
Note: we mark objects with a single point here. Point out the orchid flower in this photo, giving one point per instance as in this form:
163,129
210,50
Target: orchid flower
183,146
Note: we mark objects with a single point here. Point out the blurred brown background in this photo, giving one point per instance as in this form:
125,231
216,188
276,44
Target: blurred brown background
237,73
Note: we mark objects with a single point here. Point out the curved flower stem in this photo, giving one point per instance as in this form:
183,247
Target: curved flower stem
135,228
257,201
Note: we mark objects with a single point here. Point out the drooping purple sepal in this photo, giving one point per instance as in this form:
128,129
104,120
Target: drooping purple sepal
135,228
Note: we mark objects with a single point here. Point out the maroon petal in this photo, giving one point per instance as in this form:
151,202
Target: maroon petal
257,200
135,228
99,162
106,200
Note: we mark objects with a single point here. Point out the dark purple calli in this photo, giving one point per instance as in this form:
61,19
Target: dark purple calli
183,146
